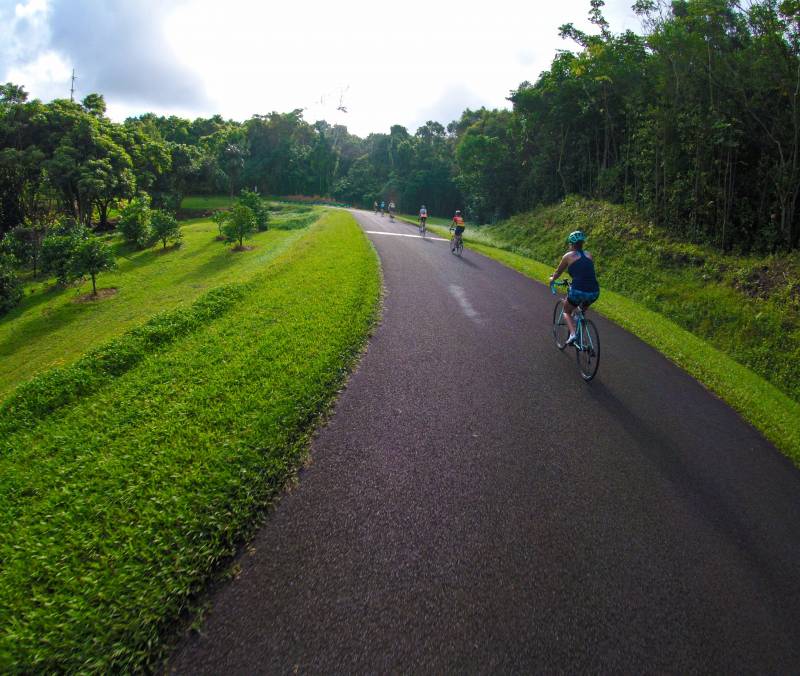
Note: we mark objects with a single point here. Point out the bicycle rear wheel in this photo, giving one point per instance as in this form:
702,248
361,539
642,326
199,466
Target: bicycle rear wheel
588,355
560,328
459,246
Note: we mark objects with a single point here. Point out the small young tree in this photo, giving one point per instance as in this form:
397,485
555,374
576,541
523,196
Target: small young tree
135,221
240,223
254,201
91,257
165,227
59,247
10,287
219,217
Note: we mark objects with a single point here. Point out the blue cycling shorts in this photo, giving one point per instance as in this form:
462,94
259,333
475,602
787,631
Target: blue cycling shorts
582,298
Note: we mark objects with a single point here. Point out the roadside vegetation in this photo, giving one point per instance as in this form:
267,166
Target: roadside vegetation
746,306
733,322
55,324
132,474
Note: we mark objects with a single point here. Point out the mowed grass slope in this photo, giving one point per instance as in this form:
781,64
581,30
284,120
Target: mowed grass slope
50,328
126,500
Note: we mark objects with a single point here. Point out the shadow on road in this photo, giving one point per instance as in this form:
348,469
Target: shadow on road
714,498
469,262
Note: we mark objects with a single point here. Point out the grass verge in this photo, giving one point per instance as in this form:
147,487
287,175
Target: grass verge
125,503
50,329
763,405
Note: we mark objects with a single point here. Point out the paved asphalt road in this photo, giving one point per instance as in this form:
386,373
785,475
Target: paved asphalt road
473,505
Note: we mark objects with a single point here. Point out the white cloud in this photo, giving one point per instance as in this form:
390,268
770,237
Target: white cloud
30,9
48,73
396,64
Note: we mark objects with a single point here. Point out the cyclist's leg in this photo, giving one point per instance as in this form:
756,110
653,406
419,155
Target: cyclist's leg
569,308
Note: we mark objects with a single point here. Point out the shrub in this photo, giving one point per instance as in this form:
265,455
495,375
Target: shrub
239,222
258,206
24,242
91,257
219,217
135,222
165,227
59,247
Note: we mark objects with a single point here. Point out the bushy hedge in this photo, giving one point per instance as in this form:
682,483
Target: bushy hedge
57,387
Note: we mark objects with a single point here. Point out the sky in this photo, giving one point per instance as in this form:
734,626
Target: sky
399,63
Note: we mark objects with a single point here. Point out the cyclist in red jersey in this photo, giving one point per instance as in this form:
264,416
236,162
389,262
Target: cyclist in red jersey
458,225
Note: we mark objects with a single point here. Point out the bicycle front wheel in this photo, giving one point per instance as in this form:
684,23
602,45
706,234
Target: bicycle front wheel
560,328
588,353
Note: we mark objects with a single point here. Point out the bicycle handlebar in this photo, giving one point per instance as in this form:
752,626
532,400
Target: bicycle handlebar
561,282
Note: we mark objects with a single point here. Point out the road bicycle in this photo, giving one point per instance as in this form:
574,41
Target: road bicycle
422,226
587,340
391,216
456,242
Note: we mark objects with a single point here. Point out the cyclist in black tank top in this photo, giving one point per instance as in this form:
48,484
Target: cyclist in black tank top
584,290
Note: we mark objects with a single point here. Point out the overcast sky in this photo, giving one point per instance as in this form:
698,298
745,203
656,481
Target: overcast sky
399,63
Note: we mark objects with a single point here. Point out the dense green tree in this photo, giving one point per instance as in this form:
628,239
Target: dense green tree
87,166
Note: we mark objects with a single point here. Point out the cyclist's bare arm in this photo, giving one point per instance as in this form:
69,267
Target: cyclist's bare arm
566,259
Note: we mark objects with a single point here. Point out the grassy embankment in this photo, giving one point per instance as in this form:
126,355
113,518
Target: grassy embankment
732,322
51,327
132,473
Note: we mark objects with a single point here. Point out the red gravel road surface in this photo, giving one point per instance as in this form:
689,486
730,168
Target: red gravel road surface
473,505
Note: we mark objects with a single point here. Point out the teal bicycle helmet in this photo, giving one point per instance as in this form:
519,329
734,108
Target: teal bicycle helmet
576,236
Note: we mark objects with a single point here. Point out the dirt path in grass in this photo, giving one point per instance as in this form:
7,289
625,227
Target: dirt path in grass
472,505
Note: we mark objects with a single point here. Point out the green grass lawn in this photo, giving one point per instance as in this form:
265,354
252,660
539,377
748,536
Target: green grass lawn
50,328
195,202
762,404
127,495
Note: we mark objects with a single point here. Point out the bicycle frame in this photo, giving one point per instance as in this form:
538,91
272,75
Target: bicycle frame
587,340
455,240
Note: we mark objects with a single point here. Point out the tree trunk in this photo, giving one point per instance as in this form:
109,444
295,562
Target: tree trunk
103,215
564,135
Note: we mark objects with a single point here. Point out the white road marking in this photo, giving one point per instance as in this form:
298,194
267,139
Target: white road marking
402,234
463,301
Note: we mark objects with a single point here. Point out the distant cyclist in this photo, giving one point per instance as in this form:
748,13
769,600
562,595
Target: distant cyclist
383,207
423,216
391,210
375,207
584,290
458,226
